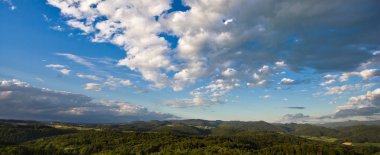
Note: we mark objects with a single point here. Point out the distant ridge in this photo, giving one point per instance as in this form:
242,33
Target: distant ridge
349,123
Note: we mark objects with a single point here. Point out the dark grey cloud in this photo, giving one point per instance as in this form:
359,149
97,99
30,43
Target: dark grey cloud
323,35
366,111
300,108
19,100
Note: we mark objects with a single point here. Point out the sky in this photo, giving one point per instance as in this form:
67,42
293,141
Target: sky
112,61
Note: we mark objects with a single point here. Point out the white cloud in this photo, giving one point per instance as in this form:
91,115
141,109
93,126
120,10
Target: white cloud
331,81
59,68
80,25
229,72
281,64
65,71
87,76
341,89
55,66
93,86
369,73
213,93
117,82
365,74
330,76
287,81
226,22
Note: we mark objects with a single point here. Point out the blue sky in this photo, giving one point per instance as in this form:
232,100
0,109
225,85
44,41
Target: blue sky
227,60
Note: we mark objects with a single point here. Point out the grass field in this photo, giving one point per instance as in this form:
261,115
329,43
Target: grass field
323,139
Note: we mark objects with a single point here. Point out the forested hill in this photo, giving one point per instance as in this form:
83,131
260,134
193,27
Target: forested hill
185,137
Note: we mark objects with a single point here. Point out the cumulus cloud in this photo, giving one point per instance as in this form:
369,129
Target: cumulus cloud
132,25
365,74
362,105
341,89
262,74
329,79
213,93
244,35
87,76
19,100
93,86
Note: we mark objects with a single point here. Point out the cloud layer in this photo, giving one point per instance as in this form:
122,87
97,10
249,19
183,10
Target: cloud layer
19,100
233,44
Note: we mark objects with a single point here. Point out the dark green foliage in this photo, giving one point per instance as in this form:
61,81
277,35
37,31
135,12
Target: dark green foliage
17,133
105,142
180,129
306,149
180,137
309,130
360,134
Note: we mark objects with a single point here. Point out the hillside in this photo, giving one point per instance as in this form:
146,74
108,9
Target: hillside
184,137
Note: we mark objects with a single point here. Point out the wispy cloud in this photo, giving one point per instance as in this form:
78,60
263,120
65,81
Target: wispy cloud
59,68
55,66
87,76
57,28
10,3
77,59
